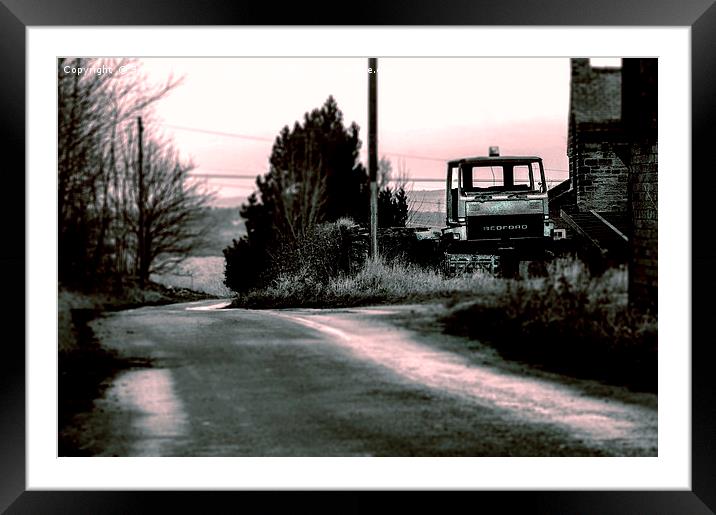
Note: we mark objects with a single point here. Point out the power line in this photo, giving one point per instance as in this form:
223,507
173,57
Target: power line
218,133
231,186
411,156
194,175
258,138
200,169
270,140
222,176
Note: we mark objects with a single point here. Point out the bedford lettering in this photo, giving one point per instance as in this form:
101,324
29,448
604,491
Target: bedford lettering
504,227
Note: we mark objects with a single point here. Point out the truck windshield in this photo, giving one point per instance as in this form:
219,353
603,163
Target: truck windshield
499,177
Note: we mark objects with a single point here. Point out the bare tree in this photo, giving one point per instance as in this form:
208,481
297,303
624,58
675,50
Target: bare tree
174,211
416,201
161,213
98,164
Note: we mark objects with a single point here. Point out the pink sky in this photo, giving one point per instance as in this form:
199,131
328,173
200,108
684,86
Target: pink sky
441,108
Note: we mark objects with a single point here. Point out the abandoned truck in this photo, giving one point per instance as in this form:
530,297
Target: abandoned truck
497,214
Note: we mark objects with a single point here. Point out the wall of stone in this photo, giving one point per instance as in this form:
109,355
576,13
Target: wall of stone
643,189
601,178
595,93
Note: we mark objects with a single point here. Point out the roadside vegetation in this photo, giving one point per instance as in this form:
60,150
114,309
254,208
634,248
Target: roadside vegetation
375,282
569,322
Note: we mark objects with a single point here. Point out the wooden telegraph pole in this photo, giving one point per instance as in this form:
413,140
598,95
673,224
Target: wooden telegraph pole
140,205
373,152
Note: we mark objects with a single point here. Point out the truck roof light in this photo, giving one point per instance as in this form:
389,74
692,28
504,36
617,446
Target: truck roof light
494,151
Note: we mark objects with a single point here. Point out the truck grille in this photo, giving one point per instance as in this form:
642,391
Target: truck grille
504,226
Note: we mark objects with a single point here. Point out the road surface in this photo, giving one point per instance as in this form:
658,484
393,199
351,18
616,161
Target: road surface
349,382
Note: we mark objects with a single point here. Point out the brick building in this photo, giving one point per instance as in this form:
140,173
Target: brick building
592,203
598,176
609,201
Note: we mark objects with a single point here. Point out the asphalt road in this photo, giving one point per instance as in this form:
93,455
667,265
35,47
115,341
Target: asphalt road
354,382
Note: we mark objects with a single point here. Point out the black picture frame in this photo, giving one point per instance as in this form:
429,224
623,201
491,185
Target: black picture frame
16,15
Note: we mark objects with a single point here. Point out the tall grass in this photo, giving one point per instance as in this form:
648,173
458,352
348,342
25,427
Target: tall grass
376,282
568,321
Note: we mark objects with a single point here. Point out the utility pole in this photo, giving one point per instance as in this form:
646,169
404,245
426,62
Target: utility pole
141,251
373,152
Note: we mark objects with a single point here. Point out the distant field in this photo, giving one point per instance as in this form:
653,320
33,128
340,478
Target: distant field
204,274
224,225
426,208
426,219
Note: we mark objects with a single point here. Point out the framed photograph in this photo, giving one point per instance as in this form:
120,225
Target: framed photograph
217,316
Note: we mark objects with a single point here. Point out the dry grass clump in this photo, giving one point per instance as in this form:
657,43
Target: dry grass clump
376,282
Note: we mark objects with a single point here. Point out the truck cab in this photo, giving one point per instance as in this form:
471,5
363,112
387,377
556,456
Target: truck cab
497,212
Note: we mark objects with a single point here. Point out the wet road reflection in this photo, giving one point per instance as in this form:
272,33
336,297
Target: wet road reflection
158,419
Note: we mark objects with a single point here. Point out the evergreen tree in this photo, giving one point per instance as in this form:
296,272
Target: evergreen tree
314,177
392,207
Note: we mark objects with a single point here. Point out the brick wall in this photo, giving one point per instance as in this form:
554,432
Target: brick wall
640,121
601,178
643,269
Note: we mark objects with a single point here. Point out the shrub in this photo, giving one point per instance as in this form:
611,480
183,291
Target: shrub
325,252
243,267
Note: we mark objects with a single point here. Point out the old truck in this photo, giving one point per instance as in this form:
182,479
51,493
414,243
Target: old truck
497,214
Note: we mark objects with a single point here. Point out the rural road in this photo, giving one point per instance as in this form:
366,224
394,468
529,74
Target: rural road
348,382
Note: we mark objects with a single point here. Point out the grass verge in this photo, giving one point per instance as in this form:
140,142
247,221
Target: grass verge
568,322
376,282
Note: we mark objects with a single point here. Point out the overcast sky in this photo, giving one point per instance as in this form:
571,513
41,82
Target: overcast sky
438,108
